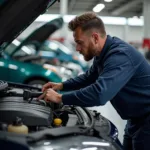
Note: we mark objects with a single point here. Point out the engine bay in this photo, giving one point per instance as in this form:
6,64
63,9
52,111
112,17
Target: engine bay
35,114
23,114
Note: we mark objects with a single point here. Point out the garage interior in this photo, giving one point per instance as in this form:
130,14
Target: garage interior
128,20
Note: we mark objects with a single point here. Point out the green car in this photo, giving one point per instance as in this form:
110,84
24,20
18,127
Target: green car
26,72
39,39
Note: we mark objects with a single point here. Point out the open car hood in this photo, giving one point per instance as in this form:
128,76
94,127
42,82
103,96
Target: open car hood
43,32
38,36
17,15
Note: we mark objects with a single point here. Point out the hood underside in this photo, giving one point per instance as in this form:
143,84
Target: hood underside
42,33
15,16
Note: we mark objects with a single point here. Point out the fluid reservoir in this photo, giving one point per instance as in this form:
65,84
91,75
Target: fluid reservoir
57,122
18,127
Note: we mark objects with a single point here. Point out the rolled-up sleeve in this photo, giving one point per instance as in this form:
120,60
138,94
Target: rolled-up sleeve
118,70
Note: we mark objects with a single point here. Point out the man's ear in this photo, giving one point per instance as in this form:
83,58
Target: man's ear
95,37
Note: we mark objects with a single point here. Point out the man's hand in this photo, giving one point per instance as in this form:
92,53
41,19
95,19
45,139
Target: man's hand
54,86
51,96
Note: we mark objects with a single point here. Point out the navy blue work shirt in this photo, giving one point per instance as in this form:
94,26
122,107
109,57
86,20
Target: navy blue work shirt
120,74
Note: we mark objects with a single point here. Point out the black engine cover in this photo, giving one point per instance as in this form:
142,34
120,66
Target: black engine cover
32,114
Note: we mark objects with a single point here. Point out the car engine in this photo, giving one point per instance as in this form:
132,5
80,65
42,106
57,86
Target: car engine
18,103
22,112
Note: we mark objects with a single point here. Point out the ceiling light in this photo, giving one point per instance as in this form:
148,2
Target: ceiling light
98,7
106,20
136,17
135,22
108,0
114,20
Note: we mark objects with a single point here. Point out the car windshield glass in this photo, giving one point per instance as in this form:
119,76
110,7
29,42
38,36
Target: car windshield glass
49,46
11,47
54,45
24,51
64,48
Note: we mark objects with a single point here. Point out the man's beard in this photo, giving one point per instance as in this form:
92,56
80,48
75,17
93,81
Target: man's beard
89,55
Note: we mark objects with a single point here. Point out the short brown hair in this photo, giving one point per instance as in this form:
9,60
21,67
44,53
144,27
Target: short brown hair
86,21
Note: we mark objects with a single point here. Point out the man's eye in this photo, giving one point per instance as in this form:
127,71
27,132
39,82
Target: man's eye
80,43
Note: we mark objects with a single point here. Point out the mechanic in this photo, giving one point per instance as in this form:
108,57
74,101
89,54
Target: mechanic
119,74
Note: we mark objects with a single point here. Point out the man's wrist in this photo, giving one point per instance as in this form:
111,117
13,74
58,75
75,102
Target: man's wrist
59,98
61,86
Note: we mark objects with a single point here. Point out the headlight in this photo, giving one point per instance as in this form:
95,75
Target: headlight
66,73
60,71
52,68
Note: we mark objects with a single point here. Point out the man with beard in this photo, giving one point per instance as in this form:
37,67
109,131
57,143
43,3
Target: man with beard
119,74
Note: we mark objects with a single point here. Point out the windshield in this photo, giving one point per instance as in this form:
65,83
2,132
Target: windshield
24,51
54,45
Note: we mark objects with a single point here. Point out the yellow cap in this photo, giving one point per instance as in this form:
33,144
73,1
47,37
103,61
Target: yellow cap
18,129
57,121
